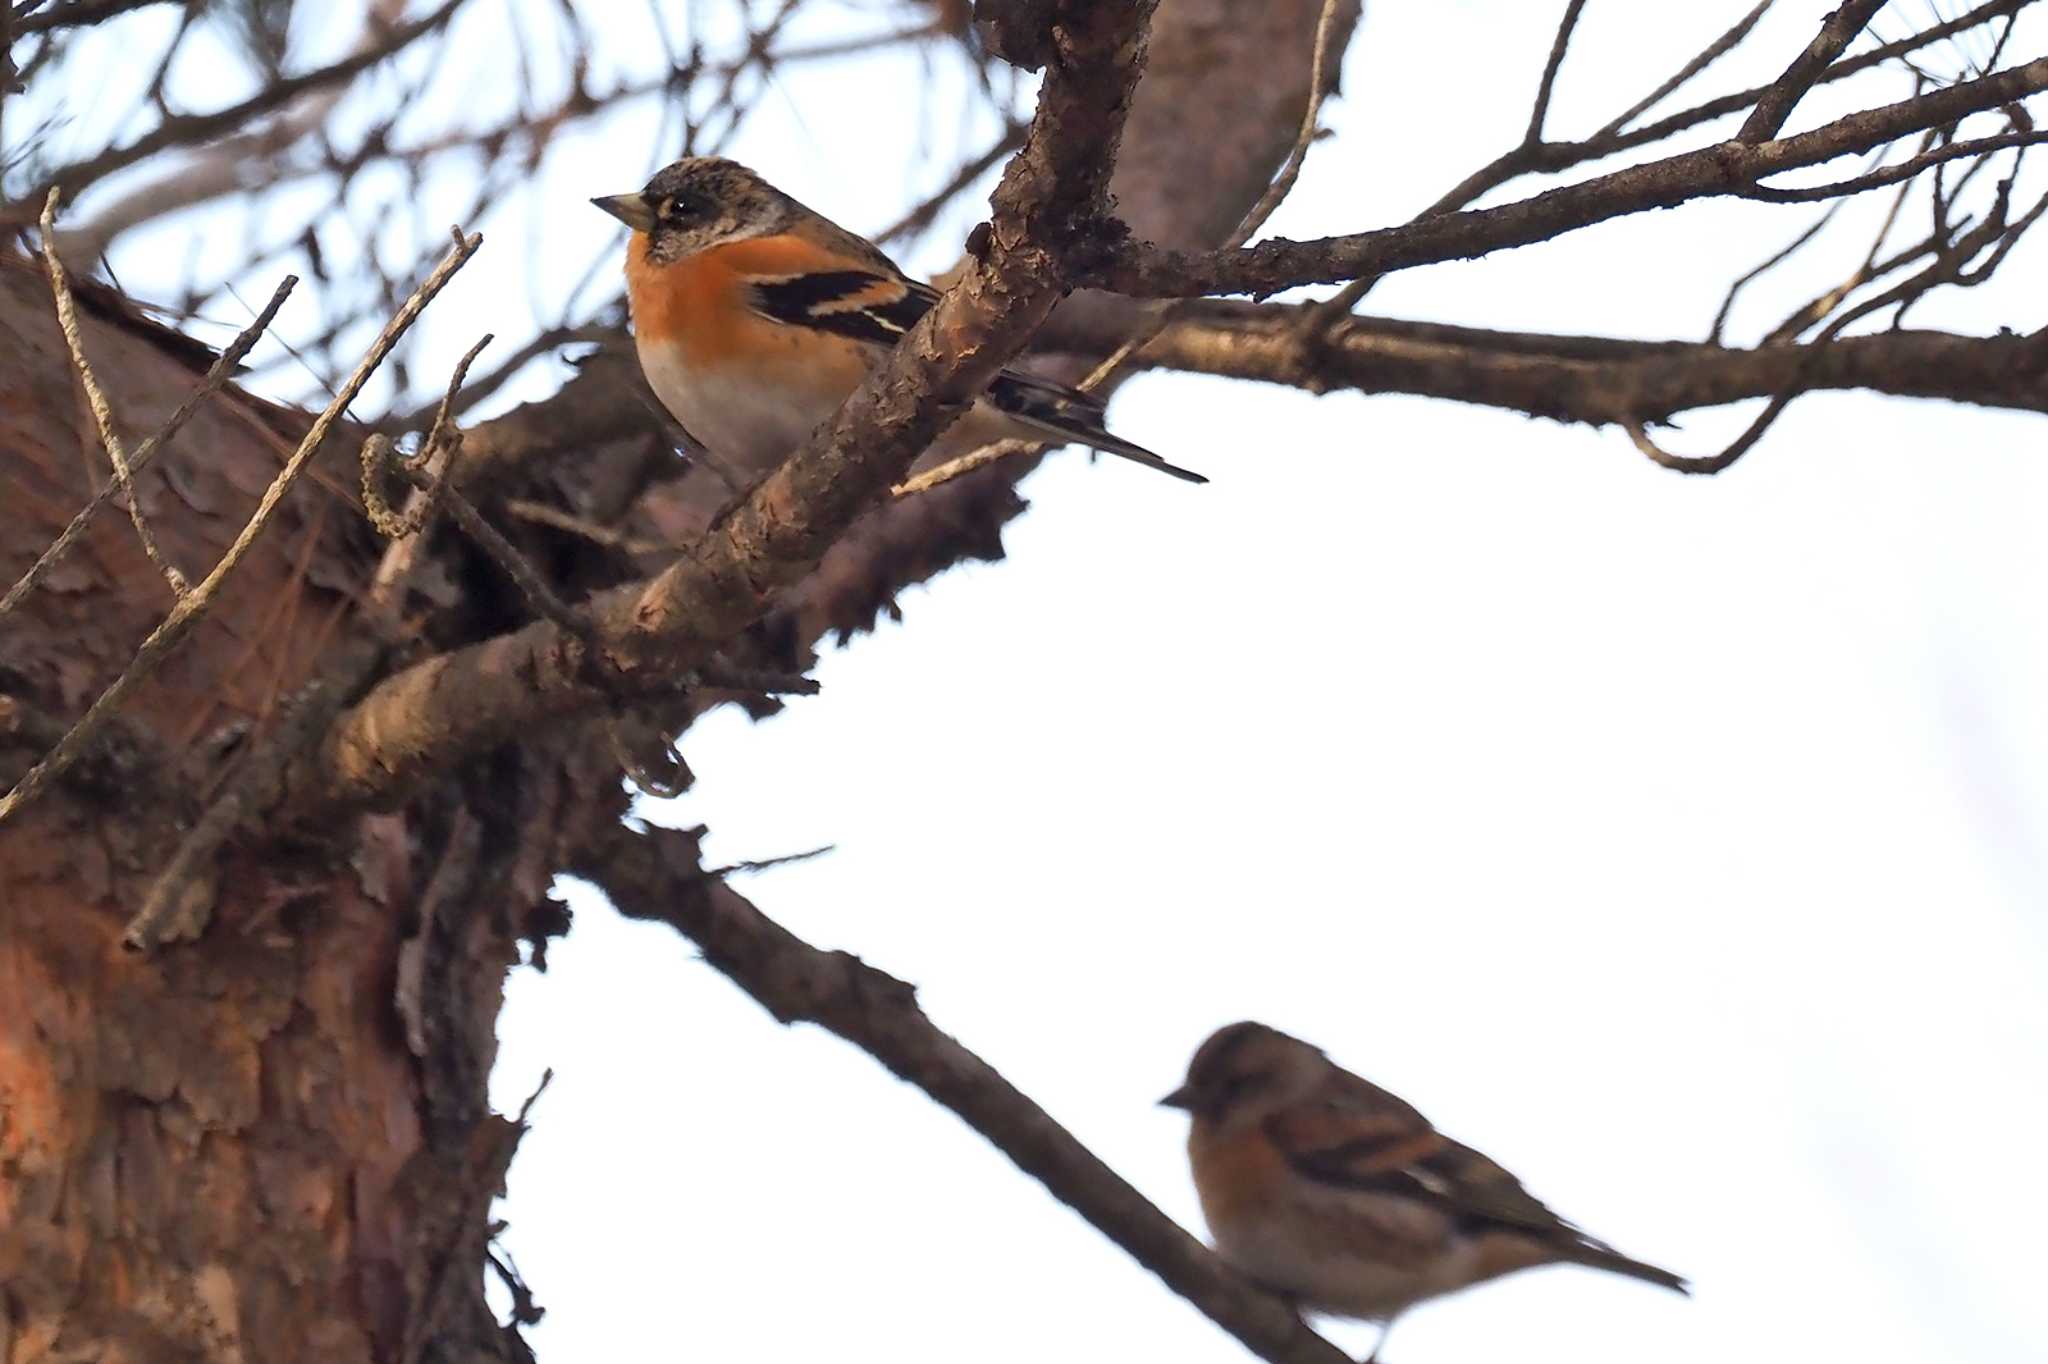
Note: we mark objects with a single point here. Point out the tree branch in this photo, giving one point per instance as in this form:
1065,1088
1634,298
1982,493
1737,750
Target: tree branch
1777,102
1051,196
1729,168
191,607
1597,380
187,129
656,875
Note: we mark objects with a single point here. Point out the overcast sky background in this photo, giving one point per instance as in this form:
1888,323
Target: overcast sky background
1679,842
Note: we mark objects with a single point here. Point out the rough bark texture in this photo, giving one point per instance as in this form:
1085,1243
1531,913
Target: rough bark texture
274,1143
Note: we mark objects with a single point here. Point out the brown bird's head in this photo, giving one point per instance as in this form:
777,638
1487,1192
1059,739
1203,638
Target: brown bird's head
700,202
1246,1071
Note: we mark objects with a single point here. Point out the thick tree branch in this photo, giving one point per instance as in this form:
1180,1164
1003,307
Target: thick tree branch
1598,380
1729,168
1778,101
649,635
656,875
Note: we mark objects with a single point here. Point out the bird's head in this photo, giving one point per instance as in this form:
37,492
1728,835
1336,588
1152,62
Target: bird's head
697,203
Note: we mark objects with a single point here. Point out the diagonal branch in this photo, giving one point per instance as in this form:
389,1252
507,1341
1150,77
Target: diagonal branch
1051,199
96,399
656,875
191,607
1729,168
1778,101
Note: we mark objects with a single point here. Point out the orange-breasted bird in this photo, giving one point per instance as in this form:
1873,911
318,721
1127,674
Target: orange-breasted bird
1338,1195
755,317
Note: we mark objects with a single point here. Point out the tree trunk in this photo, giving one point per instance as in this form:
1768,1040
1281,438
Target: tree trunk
273,1142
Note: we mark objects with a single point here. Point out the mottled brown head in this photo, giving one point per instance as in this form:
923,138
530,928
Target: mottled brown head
701,202
1247,1070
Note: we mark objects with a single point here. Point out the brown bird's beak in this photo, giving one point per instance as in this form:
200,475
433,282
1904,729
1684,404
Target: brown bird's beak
630,209
1182,1098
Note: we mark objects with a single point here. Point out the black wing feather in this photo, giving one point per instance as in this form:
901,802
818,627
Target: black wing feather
808,301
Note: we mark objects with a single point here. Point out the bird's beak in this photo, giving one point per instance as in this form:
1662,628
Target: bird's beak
1180,1098
630,209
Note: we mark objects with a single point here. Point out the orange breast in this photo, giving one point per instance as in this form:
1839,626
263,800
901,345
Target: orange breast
1238,1175
698,304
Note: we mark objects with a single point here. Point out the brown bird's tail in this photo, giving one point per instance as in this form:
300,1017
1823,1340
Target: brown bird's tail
1597,1256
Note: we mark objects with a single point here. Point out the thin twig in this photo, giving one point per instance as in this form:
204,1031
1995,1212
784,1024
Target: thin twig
919,218
515,566
193,605
750,868
1612,138
542,514
1871,268
1705,58
96,399
1893,174
1771,262
428,476
1521,157
1541,109
217,375
1726,169
195,128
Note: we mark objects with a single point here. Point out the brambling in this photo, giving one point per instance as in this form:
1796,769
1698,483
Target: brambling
1336,1194
755,317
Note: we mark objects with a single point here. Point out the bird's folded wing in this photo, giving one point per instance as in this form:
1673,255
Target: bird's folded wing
876,307
1387,1147
859,304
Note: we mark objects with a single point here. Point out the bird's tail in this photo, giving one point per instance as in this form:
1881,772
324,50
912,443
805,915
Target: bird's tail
1597,1256
1069,416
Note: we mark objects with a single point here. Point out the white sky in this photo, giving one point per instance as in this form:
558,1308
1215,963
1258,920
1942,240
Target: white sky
1679,842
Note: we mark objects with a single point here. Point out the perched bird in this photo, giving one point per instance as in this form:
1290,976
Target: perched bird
1334,1193
755,317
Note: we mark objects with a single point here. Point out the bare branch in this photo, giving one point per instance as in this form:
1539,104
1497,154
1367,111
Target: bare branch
216,375
96,399
1700,61
185,130
1839,30
920,217
1598,380
1894,174
194,604
1540,110
655,875
1729,168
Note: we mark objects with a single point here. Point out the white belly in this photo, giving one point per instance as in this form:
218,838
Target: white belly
742,422
748,423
